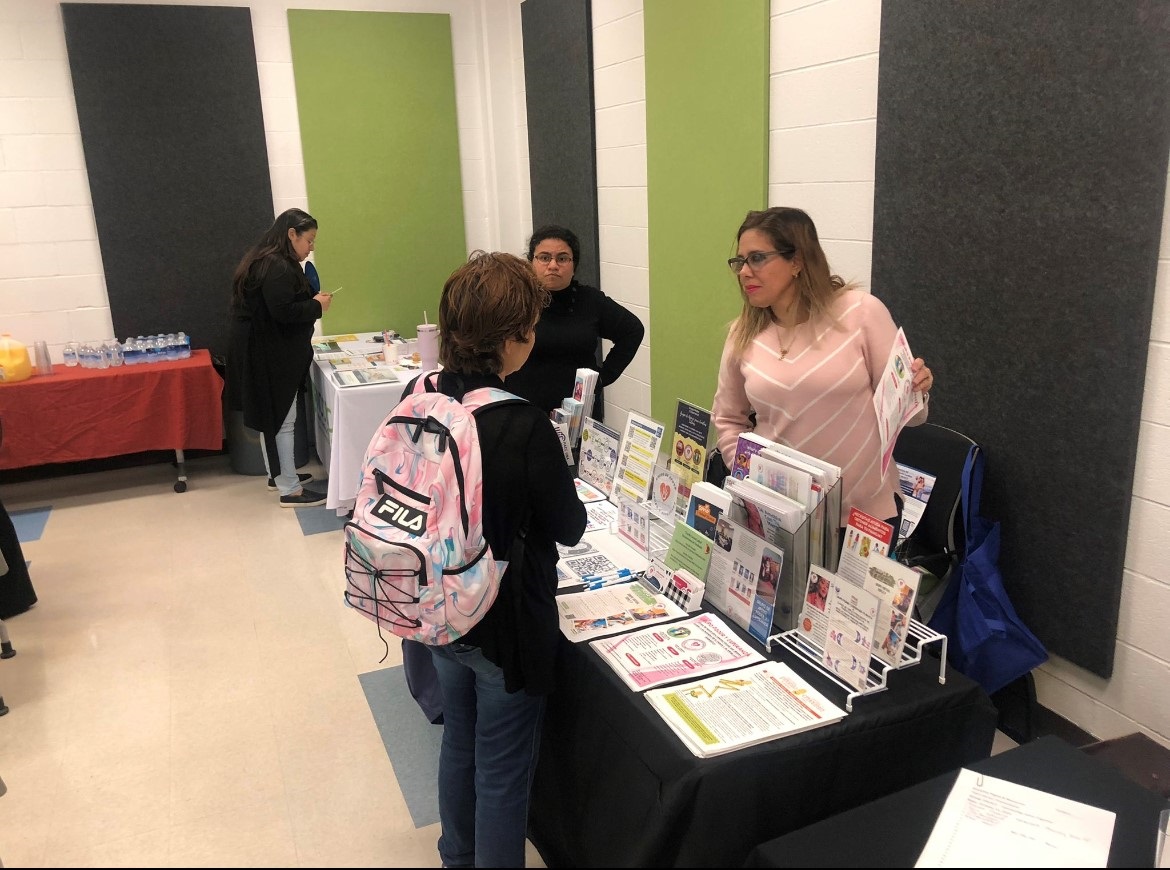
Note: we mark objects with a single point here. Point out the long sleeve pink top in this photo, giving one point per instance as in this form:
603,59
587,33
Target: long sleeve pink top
819,398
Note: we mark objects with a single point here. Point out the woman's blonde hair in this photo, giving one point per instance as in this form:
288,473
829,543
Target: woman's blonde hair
491,298
792,233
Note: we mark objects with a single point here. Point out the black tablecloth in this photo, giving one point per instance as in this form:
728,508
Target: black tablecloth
892,832
616,787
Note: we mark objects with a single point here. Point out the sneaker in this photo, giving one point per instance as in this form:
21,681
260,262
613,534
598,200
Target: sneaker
303,478
304,498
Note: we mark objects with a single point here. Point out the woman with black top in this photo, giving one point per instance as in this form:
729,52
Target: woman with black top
274,307
568,336
495,677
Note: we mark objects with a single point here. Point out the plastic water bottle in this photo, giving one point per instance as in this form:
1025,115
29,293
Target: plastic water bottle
184,341
88,356
128,353
115,352
172,346
69,353
152,349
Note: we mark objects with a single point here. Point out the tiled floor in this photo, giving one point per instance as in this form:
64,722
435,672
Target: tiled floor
186,692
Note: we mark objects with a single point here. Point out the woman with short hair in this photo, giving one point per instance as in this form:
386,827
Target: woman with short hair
495,677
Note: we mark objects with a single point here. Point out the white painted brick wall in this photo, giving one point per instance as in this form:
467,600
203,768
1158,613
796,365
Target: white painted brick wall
619,93
51,277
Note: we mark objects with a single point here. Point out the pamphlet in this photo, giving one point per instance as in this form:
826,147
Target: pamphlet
895,586
636,457
990,822
916,486
851,614
612,609
764,600
688,549
599,516
746,446
685,649
634,525
742,708
688,450
597,463
863,534
706,504
362,377
895,400
599,552
813,623
587,492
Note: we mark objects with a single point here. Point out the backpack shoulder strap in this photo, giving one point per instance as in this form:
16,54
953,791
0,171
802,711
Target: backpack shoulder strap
486,398
972,488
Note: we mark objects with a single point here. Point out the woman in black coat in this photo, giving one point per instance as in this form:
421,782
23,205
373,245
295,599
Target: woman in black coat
273,312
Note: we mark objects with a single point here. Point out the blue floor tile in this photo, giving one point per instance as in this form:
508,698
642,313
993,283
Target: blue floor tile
411,742
30,523
316,520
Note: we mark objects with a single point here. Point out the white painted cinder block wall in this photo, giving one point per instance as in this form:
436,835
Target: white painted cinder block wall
619,92
51,276
824,72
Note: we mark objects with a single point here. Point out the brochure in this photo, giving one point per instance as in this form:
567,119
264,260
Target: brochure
664,493
685,649
747,446
916,486
634,525
851,614
587,492
742,708
863,534
599,552
813,623
362,377
895,586
688,450
706,504
612,609
894,399
597,463
599,516
688,549
636,457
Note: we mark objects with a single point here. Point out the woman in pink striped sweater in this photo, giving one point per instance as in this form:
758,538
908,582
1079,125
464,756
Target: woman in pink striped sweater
805,355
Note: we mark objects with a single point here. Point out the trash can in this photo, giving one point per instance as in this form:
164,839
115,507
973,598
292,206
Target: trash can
244,449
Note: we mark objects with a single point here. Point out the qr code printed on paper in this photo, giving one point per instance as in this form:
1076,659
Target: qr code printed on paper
594,564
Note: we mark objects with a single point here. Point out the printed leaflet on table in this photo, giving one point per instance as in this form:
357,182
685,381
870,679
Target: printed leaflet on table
852,614
598,460
663,654
991,822
362,377
636,457
895,401
598,612
705,506
587,492
742,708
688,450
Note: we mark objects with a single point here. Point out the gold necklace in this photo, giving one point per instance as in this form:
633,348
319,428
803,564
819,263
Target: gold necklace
791,341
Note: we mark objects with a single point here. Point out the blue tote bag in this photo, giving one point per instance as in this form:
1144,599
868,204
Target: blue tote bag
985,638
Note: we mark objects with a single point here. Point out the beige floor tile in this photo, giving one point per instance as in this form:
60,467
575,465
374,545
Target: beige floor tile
259,835
149,849
225,781
109,809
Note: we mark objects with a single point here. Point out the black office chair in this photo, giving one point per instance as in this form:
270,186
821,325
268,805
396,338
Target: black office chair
938,542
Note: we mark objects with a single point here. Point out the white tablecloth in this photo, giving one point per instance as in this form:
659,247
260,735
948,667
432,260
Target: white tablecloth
344,420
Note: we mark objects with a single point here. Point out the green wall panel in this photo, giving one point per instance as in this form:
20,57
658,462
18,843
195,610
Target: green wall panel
707,166
376,99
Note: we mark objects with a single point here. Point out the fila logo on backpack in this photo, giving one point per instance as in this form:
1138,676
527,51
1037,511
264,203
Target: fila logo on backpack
416,561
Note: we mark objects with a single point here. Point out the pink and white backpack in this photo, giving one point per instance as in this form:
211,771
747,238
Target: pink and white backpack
416,560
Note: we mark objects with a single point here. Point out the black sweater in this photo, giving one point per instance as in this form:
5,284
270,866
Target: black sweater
567,337
524,473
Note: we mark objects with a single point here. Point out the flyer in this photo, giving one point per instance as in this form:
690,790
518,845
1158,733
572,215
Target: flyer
612,609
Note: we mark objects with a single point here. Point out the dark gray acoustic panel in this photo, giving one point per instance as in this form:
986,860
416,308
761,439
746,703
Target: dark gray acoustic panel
168,100
558,84
1020,179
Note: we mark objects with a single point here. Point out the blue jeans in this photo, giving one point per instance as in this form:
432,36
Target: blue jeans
488,756
287,481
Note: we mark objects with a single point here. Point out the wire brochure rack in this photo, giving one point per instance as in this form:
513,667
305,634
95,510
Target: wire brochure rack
918,636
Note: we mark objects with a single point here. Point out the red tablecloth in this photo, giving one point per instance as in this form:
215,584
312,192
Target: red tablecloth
76,414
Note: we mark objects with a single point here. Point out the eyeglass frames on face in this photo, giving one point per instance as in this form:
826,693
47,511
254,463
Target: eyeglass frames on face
755,259
562,259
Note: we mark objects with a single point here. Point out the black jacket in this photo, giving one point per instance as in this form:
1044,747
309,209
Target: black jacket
271,343
568,337
524,475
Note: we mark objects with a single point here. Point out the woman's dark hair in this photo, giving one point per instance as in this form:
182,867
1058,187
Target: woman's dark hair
275,242
552,231
489,299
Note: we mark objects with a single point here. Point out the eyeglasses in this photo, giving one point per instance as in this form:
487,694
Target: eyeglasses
562,259
755,259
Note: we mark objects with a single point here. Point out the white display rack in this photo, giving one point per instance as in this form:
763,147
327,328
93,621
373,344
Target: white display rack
878,670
